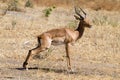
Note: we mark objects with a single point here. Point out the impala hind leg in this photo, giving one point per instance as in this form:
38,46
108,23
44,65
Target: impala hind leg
43,44
32,52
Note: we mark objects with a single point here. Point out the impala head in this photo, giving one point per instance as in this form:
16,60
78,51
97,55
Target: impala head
83,20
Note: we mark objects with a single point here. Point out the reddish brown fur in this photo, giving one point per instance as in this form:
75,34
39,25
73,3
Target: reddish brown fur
63,35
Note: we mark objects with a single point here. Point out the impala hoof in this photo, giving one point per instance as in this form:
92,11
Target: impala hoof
24,65
70,71
69,68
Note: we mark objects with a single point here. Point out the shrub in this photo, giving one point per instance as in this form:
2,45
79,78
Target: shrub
29,4
48,11
13,24
13,5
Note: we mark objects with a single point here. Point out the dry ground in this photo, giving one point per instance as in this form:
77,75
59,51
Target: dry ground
96,56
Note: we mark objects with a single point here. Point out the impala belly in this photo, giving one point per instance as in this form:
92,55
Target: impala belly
58,40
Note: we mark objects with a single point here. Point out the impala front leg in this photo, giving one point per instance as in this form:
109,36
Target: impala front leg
67,55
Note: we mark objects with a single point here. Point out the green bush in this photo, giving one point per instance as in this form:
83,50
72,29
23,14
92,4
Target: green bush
48,11
29,4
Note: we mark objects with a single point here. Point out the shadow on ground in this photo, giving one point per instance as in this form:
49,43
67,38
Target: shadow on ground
82,71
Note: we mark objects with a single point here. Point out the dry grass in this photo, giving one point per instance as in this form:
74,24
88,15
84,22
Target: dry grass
93,4
96,56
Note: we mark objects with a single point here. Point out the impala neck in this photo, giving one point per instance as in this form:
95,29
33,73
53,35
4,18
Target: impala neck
80,29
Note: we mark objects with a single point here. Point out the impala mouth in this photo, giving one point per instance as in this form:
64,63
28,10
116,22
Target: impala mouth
90,26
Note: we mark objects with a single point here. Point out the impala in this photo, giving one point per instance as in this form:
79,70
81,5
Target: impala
63,35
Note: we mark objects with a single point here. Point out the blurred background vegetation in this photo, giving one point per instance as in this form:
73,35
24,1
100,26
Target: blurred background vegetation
93,4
